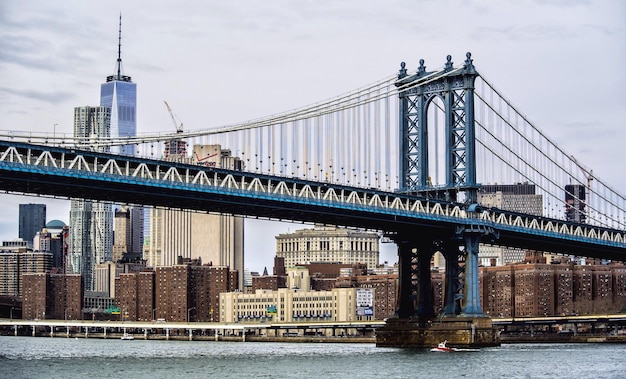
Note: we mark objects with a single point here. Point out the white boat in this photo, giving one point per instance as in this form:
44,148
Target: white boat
442,347
127,337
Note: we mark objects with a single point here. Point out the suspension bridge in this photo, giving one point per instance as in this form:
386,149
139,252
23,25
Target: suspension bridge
407,155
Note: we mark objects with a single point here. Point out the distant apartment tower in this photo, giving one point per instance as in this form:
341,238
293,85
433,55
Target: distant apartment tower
575,203
32,218
53,239
128,237
214,239
16,259
91,223
328,244
519,197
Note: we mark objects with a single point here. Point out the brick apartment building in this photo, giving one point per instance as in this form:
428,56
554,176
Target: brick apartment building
538,289
174,293
52,296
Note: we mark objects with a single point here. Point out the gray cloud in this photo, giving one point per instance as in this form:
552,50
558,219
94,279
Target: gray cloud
52,97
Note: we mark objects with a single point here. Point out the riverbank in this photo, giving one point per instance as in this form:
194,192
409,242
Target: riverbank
504,338
561,338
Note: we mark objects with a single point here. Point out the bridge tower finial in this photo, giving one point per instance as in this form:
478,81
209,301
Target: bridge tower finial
449,63
469,62
421,70
402,72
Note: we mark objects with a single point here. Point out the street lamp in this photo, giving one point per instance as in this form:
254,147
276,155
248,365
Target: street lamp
153,314
188,312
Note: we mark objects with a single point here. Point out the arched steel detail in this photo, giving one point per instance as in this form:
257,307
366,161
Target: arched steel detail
416,92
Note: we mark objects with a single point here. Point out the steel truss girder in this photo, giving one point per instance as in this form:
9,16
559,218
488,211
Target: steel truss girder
53,171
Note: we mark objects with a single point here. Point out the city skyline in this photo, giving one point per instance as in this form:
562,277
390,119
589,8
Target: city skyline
540,56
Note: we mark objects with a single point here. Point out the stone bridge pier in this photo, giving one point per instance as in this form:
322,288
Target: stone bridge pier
461,321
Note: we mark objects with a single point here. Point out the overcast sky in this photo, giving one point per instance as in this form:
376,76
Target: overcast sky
560,62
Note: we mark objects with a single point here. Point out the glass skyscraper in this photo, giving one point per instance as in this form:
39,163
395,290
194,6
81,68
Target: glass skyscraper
119,93
32,220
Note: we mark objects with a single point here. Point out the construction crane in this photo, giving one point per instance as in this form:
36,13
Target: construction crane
179,128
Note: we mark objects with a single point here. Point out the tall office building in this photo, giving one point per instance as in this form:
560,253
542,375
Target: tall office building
91,223
215,239
518,197
128,239
32,220
119,93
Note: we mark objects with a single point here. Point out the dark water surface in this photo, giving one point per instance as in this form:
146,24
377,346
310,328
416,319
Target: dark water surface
42,357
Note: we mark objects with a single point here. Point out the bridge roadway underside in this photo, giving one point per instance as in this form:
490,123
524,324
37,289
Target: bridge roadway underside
211,202
28,182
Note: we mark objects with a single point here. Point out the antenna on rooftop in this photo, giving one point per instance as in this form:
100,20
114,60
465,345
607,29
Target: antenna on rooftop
119,50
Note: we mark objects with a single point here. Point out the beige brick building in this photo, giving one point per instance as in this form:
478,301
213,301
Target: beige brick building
295,303
328,244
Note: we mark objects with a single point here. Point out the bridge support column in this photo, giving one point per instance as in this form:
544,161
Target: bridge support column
414,324
452,285
425,301
472,296
405,307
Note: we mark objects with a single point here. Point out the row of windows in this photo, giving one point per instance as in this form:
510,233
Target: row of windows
327,246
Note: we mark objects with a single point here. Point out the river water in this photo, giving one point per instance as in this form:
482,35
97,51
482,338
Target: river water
43,357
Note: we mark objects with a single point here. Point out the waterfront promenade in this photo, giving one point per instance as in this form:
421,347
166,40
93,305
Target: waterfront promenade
358,331
559,329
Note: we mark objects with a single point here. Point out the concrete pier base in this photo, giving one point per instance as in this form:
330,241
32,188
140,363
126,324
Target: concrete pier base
459,331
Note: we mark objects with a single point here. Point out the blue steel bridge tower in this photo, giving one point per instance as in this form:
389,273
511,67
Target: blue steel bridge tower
120,94
452,89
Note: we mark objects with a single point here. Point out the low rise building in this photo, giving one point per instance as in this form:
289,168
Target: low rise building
297,302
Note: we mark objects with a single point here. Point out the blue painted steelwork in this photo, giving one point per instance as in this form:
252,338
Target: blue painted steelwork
455,87
303,200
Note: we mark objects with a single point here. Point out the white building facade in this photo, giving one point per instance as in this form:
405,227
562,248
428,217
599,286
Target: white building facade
299,304
330,245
